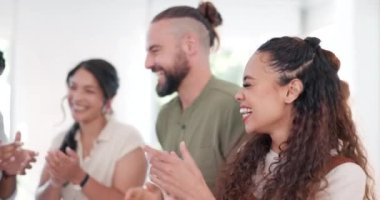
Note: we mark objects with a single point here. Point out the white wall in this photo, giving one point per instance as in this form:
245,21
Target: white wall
351,29
50,38
367,76
6,26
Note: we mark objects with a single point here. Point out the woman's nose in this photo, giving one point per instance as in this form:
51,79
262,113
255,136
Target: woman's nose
239,96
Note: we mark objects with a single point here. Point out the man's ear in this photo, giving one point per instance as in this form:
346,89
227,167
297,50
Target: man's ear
293,90
189,44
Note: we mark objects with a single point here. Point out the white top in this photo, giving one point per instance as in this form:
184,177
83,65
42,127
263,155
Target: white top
346,181
114,141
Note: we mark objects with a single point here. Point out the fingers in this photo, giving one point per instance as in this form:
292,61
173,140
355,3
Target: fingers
7,151
18,136
51,160
168,186
134,194
152,187
186,154
188,159
150,152
72,154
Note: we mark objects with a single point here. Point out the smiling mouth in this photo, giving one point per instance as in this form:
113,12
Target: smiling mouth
245,113
78,108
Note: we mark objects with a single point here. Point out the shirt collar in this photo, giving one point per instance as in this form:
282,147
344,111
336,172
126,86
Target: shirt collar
105,134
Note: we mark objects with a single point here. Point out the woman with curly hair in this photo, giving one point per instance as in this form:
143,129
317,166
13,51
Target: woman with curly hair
303,142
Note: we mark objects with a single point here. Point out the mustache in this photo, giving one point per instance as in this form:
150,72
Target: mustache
156,68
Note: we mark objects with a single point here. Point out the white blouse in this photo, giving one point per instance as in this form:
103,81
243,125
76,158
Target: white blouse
114,141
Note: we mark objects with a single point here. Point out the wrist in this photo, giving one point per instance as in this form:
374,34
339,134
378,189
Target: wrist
56,184
79,177
6,175
84,181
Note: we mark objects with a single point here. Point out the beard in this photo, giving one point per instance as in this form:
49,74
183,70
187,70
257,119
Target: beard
173,78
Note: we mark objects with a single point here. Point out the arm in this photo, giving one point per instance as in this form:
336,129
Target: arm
7,182
7,186
130,171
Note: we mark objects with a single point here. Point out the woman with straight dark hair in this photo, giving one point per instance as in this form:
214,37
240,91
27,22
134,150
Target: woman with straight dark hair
98,157
303,144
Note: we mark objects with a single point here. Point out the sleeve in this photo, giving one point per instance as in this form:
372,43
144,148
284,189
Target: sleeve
3,138
346,181
160,124
232,127
132,141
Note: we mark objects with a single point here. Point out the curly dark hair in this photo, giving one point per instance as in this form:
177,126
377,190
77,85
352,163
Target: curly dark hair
322,122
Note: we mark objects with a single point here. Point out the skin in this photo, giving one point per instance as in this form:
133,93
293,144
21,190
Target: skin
86,103
266,108
169,44
14,160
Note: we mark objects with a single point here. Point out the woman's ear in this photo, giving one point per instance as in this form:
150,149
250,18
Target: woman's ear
107,106
293,90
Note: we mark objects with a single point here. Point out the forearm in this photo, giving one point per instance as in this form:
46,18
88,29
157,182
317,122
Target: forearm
7,186
48,191
96,191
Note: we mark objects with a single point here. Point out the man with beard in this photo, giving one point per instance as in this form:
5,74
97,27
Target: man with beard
13,159
204,114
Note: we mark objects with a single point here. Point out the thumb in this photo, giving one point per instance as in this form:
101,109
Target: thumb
152,187
71,153
18,136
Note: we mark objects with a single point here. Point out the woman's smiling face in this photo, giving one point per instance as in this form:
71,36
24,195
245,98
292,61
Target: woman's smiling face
261,99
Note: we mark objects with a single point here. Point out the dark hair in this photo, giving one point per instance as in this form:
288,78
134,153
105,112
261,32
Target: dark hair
322,122
108,80
206,14
2,63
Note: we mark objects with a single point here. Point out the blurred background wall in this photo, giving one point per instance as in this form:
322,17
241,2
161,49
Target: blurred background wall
43,39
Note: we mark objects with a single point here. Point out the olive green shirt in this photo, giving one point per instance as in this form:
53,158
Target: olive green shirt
211,126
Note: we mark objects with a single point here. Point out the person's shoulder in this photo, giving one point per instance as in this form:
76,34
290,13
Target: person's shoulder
222,94
356,173
224,88
123,128
125,137
345,181
124,131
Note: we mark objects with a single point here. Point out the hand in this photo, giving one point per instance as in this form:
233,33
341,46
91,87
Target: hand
22,160
181,178
7,151
150,192
15,159
64,168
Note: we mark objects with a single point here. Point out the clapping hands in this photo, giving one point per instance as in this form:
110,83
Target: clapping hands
14,159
